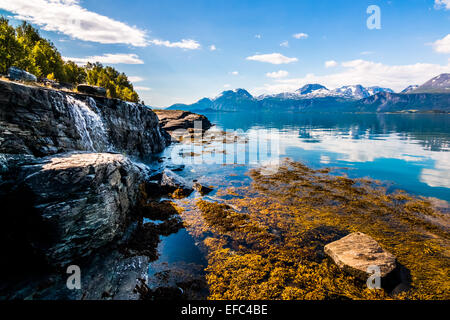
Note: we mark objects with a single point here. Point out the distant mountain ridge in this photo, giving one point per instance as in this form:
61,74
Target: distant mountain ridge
434,95
410,89
319,91
439,84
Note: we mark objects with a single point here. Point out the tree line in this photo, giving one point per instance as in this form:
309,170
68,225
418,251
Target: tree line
23,47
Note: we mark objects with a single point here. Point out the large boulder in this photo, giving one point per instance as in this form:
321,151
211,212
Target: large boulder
92,90
172,120
17,74
77,202
40,122
357,252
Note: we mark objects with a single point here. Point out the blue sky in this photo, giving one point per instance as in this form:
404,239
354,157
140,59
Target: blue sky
180,51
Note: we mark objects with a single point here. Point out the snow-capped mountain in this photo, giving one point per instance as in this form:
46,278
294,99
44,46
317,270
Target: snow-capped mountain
439,84
311,88
410,89
308,91
352,92
359,92
431,96
312,91
374,90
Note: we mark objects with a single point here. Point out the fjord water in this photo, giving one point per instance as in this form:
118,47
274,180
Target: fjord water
406,151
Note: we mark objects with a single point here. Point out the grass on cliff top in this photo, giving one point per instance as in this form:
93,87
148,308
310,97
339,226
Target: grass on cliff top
267,241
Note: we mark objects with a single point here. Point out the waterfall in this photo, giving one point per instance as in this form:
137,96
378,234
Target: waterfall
89,124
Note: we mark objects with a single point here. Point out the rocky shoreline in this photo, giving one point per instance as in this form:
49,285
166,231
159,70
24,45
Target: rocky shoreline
74,191
78,188
172,120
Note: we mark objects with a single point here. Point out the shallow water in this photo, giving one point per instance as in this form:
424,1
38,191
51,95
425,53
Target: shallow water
409,151
405,151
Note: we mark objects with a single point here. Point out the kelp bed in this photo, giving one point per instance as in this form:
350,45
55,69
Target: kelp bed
265,241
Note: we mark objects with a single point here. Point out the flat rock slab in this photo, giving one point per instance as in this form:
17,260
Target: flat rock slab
172,120
357,252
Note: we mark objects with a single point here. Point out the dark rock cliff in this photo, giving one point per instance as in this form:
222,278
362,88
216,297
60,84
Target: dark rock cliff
41,122
69,194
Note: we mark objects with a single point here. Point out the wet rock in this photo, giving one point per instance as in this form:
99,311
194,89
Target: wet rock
17,74
67,198
171,182
40,122
82,202
92,90
56,85
356,252
176,168
160,293
202,189
114,277
159,210
172,120
107,276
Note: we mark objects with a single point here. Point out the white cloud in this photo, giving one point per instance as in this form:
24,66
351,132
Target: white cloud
393,146
331,64
234,73
300,35
142,88
273,58
277,74
442,45
442,4
284,44
212,48
366,73
68,17
258,36
227,85
109,58
188,44
134,79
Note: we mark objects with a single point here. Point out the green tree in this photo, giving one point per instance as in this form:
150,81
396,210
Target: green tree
10,48
28,37
116,84
41,56
24,47
46,60
73,73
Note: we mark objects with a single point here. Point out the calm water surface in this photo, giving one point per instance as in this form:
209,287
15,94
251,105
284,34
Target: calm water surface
408,151
405,151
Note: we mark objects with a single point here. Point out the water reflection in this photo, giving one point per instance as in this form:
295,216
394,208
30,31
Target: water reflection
411,150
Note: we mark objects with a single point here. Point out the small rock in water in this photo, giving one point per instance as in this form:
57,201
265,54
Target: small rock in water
202,189
357,252
176,168
171,182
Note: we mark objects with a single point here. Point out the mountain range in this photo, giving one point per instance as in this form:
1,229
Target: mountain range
434,95
310,91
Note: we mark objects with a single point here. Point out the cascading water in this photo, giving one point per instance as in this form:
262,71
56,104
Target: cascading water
89,125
